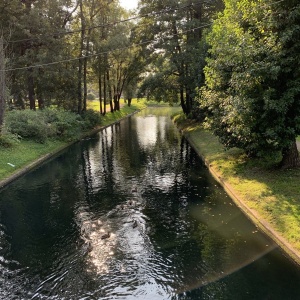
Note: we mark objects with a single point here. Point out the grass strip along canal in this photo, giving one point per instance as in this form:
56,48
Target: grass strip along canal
268,195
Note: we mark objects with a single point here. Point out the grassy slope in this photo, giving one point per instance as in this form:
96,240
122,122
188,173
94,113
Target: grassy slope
24,153
27,152
272,194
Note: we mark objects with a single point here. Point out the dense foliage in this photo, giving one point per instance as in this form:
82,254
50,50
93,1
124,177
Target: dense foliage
238,70
56,51
48,124
252,77
175,54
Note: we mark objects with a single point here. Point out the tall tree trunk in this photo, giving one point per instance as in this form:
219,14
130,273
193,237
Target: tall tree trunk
104,94
100,91
80,60
85,63
118,101
30,85
41,102
40,98
110,93
2,83
188,101
290,157
182,102
79,91
84,100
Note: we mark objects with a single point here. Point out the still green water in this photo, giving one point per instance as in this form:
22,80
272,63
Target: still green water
173,232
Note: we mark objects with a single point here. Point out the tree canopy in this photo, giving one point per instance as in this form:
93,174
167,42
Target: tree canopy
236,67
176,52
252,77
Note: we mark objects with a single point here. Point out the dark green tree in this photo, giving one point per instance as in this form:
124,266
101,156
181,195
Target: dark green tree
2,83
252,77
176,29
35,33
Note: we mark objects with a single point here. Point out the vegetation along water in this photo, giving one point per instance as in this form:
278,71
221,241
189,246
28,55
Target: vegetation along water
233,68
132,213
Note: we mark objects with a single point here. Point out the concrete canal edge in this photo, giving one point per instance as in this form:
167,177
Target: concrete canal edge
251,214
47,157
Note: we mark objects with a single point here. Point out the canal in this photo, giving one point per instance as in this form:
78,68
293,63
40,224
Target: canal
132,213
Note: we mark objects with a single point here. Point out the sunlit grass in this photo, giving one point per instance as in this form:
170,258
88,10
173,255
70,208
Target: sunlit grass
125,110
22,154
262,186
135,103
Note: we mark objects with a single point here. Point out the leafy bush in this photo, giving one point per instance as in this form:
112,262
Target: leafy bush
50,123
27,124
8,140
67,124
91,119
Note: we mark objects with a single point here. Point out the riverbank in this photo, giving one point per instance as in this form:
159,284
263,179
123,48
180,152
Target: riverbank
27,155
268,195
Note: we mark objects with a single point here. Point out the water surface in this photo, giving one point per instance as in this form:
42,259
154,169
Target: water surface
174,233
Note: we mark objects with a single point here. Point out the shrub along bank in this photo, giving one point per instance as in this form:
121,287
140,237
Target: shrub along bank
269,195
29,137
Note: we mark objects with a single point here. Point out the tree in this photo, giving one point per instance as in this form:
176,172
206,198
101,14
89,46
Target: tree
2,83
120,63
37,37
176,32
252,78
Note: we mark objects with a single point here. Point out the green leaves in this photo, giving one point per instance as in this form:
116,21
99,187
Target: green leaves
177,35
252,82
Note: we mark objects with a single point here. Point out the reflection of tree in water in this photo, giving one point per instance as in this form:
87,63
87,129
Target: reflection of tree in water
187,234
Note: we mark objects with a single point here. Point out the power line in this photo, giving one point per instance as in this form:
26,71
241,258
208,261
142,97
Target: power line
107,24
101,53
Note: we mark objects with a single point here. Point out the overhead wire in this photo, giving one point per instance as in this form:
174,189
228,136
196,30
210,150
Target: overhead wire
101,53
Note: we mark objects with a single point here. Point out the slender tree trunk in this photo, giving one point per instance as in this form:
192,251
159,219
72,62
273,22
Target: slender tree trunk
40,98
110,93
104,94
188,101
84,100
111,104
80,60
115,101
85,64
118,100
41,103
290,157
79,91
182,102
100,91
2,83
30,85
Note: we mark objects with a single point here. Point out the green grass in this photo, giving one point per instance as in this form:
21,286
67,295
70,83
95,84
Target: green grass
110,118
27,151
272,192
23,154
138,104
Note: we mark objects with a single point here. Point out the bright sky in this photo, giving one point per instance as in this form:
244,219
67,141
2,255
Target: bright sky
129,4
